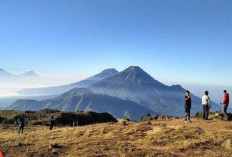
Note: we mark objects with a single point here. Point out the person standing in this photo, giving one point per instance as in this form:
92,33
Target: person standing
52,122
187,106
1,154
21,123
206,105
225,103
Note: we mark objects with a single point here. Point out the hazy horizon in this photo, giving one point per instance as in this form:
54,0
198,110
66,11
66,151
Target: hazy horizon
9,88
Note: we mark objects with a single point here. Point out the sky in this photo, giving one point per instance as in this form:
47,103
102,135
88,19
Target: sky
185,42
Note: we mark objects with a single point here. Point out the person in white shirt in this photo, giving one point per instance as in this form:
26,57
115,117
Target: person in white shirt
206,105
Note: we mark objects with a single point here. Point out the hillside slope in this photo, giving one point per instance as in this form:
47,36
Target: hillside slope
83,99
158,138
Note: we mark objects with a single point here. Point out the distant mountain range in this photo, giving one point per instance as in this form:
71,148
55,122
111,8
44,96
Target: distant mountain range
6,74
82,99
131,93
55,90
7,101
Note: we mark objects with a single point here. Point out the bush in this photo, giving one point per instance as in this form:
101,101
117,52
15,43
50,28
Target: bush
198,115
37,123
48,110
30,111
84,118
2,119
62,118
13,120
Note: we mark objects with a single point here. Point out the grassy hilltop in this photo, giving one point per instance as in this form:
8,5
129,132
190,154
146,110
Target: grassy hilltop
154,138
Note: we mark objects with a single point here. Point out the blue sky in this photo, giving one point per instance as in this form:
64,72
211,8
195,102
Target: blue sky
176,41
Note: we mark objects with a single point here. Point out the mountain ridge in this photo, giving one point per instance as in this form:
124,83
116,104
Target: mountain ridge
131,86
6,74
55,90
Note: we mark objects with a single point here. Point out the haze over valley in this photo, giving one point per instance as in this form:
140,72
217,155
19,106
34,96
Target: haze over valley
31,84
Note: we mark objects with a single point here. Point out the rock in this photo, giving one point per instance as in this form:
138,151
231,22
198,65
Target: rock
20,144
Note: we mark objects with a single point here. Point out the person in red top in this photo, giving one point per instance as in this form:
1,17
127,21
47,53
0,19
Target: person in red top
225,103
1,154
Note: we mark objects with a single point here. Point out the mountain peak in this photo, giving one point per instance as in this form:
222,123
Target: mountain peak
177,87
136,75
5,73
104,74
134,68
109,71
30,73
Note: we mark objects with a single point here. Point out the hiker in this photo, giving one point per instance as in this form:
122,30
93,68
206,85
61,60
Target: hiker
40,116
206,105
187,106
156,117
1,154
225,103
162,117
21,123
52,122
75,123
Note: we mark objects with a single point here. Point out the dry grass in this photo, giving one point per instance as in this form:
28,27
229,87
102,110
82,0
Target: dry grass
158,138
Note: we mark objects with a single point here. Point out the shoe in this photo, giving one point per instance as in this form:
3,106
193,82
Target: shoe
186,121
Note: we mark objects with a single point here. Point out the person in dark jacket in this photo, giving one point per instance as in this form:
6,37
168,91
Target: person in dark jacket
187,106
21,123
225,103
52,122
